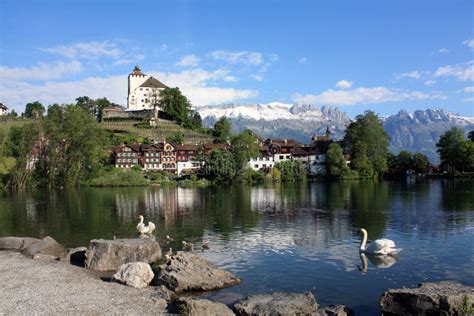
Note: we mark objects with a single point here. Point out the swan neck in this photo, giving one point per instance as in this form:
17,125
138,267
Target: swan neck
364,239
141,219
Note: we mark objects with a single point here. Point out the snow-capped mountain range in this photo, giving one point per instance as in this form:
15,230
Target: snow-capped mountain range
413,132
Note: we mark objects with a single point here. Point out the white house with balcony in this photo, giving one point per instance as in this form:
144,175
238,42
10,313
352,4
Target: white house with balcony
143,90
261,163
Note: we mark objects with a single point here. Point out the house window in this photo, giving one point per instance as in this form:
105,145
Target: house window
281,157
255,166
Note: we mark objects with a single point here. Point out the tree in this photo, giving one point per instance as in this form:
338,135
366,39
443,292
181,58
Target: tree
291,170
368,131
176,105
220,166
196,120
13,113
34,110
244,147
470,135
221,131
453,149
421,163
177,138
361,162
101,104
336,163
95,107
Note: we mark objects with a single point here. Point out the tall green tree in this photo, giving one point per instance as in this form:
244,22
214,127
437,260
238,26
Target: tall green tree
421,163
220,166
221,131
455,150
336,164
34,110
367,133
470,135
361,162
244,147
95,107
175,104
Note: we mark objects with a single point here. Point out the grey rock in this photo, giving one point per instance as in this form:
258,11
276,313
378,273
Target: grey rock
186,271
43,257
201,307
108,255
46,246
134,274
76,256
16,243
438,298
277,303
162,292
335,310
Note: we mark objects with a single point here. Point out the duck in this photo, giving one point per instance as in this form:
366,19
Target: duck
205,244
169,239
377,247
187,245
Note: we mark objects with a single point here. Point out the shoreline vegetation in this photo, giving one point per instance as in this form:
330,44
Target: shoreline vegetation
68,146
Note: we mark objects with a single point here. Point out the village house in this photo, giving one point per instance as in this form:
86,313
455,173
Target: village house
3,109
126,156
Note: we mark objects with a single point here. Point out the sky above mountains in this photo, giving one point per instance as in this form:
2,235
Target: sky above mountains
358,55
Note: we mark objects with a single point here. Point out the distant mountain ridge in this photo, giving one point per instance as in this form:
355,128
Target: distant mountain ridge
413,132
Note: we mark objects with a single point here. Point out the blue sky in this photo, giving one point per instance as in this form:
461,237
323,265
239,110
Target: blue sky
358,55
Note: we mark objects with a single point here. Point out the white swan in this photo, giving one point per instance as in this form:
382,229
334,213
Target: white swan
379,246
145,229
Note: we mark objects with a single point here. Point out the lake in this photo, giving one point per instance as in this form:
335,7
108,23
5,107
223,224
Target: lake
289,237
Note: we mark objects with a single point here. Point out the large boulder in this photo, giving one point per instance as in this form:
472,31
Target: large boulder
108,255
438,298
186,271
16,243
201,307
134,274
46,246
277,303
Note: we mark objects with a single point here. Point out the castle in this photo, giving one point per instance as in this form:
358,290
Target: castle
143,91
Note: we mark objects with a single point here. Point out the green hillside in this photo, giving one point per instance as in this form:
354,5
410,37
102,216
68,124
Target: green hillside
162,131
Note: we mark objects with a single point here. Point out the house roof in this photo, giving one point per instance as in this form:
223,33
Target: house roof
300,151
152,147
3,106
153,83
186,147
215,146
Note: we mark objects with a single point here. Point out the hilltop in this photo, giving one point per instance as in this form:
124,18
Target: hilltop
164,130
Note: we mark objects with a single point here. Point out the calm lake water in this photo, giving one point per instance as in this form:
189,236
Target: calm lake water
292,237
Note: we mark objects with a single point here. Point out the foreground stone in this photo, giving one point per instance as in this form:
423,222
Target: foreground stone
335,310
56,288
134,274
439,298
16,243
46,246
189,272
108,255
278,303
201,307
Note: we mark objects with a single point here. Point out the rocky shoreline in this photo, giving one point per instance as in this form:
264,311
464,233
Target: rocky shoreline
60,280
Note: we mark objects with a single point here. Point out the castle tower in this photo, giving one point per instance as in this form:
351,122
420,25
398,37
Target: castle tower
328,133
142,90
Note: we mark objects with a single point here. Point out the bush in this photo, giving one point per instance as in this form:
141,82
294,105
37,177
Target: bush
249,175
119,177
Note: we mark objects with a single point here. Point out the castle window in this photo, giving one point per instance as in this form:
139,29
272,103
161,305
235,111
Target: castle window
141,89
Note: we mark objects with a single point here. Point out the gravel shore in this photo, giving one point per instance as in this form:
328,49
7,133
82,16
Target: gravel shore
30,286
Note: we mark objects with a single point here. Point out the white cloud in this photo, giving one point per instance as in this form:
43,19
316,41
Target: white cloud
469,42
344,84
256,77
469,89
415,74
230,79
443,50
429,83
42,71
303,60
463,71
363,96
189,60
87,50
243,57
